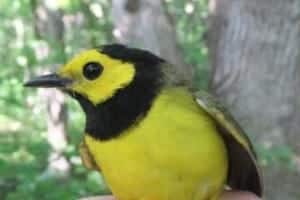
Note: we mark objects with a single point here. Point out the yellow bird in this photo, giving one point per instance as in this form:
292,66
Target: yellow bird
152,137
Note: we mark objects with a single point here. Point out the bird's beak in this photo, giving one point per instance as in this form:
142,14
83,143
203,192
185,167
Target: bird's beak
49,81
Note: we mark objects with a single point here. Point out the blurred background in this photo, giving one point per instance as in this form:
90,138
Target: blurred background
245,52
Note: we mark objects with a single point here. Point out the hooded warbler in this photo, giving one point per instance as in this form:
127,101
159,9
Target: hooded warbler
152,137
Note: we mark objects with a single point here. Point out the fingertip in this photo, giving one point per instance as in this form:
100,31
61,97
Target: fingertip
105,197
238,195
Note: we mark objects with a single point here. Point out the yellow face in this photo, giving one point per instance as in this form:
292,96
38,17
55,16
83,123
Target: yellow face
97,76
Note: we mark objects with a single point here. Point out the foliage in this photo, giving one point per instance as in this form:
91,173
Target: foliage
190,20
280,155
23,146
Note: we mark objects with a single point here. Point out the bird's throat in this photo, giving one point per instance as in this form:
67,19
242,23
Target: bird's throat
126,108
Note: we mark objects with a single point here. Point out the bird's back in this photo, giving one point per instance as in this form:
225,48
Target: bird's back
174,152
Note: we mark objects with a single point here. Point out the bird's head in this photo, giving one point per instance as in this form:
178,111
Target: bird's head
115,85
98,74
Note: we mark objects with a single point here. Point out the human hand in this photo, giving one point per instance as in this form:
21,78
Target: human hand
227,195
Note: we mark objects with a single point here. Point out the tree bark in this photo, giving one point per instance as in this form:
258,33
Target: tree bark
49,27
146,24
255,53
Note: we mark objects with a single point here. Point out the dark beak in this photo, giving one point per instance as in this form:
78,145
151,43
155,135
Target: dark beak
48,81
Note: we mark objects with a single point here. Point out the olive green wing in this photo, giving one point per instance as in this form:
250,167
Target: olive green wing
86,157
244,173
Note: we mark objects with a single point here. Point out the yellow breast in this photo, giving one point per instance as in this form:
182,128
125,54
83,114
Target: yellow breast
175,152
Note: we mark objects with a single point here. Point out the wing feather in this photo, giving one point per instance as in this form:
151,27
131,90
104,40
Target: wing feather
87,158
244,173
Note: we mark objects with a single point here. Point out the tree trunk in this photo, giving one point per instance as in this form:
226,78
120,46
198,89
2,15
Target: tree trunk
255,50
146,24
49,27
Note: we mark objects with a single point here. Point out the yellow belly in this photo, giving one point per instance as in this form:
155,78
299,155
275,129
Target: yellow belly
175,153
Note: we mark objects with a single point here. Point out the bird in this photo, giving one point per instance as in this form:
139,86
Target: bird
152,136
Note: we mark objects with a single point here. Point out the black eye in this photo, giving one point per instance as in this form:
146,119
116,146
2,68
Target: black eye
92,70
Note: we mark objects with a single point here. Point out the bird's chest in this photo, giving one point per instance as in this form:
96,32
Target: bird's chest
168,155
